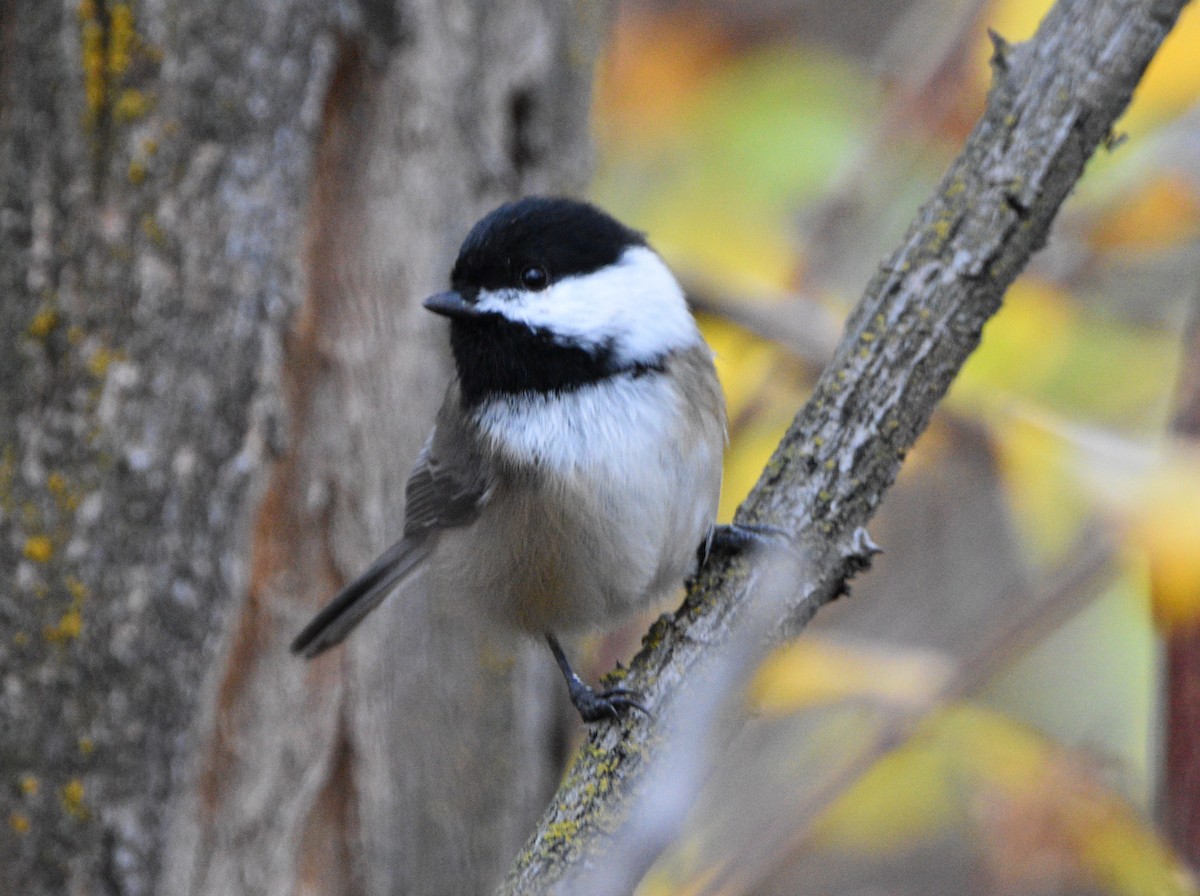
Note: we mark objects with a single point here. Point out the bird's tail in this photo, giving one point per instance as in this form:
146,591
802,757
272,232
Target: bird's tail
348,608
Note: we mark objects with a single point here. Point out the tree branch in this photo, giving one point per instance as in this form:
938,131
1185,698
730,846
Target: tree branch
1053,101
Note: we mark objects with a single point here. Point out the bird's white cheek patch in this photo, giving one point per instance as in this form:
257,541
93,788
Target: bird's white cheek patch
635,307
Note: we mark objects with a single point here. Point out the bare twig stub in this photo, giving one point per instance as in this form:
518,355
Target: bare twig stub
1054,100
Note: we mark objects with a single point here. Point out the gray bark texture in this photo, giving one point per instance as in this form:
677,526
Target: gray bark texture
1054,100
216,222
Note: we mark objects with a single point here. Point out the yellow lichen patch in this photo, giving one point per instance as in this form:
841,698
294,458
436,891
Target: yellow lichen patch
131,105
91,40
101,359
122,38
109,43
20,639
8,465
78,591
153,231
71,796
86,746
69,627
31,515
38,548
29,785
561,831
44,323
19,823
60,487
137,171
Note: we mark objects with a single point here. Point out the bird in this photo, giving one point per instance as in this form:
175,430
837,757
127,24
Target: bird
572,473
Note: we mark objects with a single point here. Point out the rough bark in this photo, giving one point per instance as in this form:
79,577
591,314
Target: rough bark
1054,100
215,222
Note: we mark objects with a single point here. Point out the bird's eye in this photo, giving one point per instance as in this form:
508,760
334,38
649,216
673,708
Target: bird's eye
534,277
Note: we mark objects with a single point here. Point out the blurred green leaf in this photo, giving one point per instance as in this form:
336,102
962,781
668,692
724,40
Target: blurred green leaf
761,137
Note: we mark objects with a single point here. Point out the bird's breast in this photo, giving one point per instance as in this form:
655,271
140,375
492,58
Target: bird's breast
602,496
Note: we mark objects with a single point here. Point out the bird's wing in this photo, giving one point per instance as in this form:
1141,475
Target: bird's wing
448,487
449,484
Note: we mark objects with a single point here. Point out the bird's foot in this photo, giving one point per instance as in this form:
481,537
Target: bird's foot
594,705
736,538
607,704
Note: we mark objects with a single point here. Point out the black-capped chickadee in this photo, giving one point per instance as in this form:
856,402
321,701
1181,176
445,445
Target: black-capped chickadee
573,470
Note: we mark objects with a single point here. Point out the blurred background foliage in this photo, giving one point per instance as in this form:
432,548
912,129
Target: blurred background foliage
985,712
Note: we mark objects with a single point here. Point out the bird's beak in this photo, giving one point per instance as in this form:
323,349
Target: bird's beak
451,304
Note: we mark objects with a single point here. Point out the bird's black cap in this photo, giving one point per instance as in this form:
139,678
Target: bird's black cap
564,237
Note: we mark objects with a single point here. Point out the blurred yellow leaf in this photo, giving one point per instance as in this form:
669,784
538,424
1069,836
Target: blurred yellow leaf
760,406
813,671
744,362
1042,813
1045,347
1166,526
1171,84
738,248
1155,493
1043,490
1024,345
748,453
1160,214
906,797
1016,20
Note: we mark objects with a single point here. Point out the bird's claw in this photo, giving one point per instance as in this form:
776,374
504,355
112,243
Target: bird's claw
594,706
736,538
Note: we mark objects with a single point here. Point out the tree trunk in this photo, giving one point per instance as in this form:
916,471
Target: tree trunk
216,221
